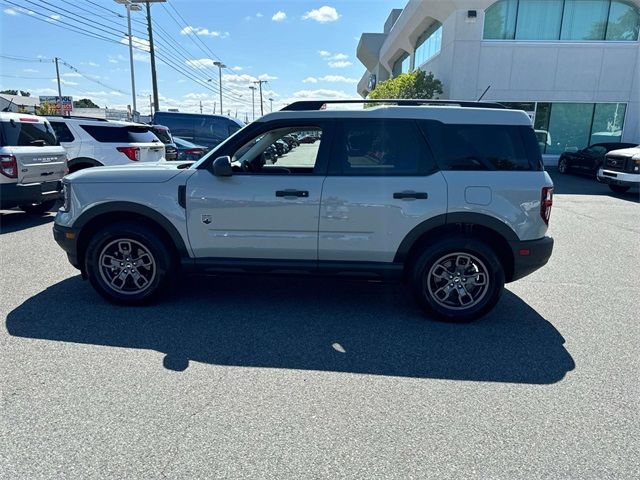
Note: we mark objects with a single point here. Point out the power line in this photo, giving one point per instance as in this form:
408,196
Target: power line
91,79
26,59
111,11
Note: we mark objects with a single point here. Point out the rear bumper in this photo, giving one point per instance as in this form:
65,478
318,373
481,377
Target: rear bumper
529,256
67,238
618,178
14,194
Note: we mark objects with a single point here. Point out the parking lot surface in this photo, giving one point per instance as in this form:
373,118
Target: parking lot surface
302,378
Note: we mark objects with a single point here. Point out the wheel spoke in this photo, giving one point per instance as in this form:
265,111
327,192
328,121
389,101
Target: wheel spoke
143,260
477,279
109,261
119,280
441,272
443,293
138,279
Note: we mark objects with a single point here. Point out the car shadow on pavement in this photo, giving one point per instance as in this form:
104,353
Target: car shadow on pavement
305,323
576,184
13,221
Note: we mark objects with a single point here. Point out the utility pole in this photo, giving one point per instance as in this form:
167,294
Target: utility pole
200,106
150,106
59,87
260,82
154,79
220,66
271,101
253,102
131,7
214,108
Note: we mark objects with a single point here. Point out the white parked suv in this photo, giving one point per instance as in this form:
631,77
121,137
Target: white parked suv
32,163
451,198
621,169
93,142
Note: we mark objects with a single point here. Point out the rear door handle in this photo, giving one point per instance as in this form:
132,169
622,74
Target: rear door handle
408,195
292,193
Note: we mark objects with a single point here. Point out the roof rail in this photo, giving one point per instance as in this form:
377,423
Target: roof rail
78,116
321,104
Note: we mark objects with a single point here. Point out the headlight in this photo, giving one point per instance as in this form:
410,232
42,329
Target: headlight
66,196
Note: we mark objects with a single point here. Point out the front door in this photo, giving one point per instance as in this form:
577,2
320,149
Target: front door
269,207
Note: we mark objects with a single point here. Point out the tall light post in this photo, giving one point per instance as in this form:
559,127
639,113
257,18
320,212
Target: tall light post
271,103
131,7
220,66
253,103
154,79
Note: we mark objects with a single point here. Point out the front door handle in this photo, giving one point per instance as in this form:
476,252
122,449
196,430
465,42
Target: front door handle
409,195
292,193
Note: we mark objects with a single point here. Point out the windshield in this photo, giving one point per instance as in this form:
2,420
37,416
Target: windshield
27,134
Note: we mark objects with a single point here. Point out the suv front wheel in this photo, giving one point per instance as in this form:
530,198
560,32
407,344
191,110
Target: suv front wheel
128,264
457,279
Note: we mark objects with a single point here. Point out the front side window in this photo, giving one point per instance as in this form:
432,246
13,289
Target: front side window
27,134
283,151
381,148
569,20
477,147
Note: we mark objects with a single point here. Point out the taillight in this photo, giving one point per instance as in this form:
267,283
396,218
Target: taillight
546,202
133,153
194,151
8,166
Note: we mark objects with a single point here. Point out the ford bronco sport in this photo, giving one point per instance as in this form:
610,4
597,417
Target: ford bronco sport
450,197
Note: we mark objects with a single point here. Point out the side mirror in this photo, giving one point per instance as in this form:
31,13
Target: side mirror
221,167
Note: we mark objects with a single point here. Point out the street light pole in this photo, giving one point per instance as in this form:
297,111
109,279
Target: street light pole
253,102
220,66
135,8
271,103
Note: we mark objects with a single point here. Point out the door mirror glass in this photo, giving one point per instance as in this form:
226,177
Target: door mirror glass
221,167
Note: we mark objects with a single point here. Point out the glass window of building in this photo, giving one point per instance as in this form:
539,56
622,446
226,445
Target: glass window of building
584,19
607,122
428,44
539,20
402,65
562,20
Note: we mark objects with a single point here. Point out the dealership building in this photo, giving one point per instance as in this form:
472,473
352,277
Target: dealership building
572,65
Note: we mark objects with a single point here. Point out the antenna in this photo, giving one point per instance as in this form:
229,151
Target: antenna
485,91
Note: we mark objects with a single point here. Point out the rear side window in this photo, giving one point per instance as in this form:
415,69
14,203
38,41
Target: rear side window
481,147
112,134
163,135
180,125
62,132
233,128
380,148
211,129
27,134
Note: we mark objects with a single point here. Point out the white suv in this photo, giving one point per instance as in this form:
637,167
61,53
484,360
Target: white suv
92,142
452,199
32,163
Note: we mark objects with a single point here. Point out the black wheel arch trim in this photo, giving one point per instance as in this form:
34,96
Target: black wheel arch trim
138,209
81,160
467,218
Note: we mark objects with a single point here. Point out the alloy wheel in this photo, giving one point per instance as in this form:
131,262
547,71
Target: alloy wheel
458,281
127,266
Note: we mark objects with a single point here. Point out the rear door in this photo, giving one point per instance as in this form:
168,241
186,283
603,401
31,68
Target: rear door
38,155
382,183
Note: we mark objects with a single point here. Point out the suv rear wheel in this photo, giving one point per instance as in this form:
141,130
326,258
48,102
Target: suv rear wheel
128,264
619,188
457,279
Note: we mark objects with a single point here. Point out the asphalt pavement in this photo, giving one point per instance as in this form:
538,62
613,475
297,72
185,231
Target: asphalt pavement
305,378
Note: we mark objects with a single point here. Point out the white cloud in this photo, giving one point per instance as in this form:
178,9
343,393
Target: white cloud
44,91
91,64
71,74
198,96
324,53
10,11
137,42
201,62
266,76
323,14
31,70
339,56
259,15
64,82
112,60
203,32
54,17
236,68
338,78
340,64
17,10
279,16
310,80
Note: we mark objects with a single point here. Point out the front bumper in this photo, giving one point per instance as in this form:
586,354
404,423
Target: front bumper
67,238
618,178
14,194
529,256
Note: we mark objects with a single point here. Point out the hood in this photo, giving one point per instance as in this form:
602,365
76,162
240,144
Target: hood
625,152
145,172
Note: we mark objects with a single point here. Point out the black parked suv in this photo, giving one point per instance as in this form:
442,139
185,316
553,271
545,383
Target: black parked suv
589,159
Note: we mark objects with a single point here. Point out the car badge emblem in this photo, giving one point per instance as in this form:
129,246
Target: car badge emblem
206,219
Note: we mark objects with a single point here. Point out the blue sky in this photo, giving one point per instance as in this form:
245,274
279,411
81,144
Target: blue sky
305,49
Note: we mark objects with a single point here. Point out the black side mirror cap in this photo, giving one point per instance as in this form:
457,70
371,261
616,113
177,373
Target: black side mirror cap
221,167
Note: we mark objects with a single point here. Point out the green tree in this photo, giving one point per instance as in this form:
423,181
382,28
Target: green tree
85,103
24,93
416,84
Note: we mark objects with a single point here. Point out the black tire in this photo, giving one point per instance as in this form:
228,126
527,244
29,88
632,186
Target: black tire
563,165
156,263
428,277
38,208
619,188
